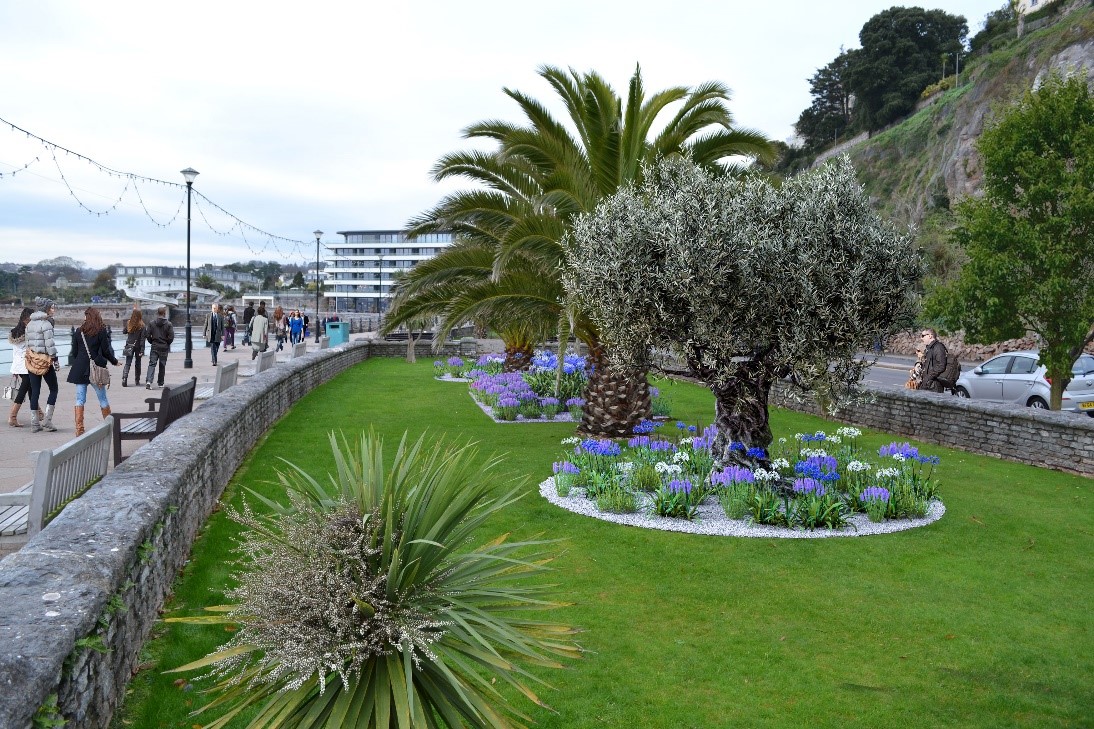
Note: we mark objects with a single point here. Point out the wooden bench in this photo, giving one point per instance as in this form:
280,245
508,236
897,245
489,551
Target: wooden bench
299,350
225,378
172,404
266,360
61,475
324,342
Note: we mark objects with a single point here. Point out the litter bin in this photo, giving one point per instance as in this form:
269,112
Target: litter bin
338,331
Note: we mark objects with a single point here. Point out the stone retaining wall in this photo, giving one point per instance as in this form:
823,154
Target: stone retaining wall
78,601
1062,441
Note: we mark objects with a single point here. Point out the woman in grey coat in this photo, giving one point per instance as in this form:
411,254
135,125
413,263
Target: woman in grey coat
40,339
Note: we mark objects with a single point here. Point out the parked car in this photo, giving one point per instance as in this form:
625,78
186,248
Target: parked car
1015,377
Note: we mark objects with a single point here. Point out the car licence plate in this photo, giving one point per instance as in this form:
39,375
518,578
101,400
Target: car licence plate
1087,405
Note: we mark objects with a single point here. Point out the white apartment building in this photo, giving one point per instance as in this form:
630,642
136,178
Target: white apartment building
361,270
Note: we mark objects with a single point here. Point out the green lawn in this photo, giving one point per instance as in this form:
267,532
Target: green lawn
982,619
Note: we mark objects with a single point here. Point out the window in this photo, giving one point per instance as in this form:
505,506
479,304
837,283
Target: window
1023,366
1083,366
996,366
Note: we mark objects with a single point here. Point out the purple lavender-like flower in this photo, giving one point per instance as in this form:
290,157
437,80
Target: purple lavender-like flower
662,445
654,391
639,441
575,402
438,363
874,493
680,486
565,467
508,402
808,486
732,474
906,450
455,362
548,401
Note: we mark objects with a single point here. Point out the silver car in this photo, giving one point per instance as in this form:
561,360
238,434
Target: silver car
1015,377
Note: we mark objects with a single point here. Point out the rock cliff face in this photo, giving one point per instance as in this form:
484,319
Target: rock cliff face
929,160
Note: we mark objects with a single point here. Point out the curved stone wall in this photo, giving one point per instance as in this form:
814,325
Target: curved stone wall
78,601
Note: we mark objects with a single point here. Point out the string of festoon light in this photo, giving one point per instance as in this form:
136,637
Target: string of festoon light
134,181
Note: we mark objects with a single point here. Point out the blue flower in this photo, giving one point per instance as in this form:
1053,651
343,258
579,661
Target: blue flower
808,486
735,446
874,493
645,426
756,453
678,486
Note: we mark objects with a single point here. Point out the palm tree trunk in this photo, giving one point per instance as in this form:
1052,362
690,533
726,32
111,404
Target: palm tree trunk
615,400
518,357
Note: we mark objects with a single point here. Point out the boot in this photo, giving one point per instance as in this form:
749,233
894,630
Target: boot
35,425
47,422
13,419
78,413
106,412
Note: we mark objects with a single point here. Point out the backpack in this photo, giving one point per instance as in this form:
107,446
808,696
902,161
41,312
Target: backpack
951,373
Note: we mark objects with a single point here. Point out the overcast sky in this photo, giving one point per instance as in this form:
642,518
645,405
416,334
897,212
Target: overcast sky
329,115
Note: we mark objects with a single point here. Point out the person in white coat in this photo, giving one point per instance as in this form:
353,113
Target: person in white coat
18,341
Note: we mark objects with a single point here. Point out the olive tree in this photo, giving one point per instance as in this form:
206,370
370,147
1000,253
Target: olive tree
746,283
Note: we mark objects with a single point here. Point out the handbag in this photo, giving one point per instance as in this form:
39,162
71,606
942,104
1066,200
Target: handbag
100,376
38,363
127,352
12,388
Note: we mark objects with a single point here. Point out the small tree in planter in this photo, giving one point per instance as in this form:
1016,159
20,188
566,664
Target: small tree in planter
747,283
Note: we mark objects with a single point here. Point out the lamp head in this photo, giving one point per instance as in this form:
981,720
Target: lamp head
190,174
318,234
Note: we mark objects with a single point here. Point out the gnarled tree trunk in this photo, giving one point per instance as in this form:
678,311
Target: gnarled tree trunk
615,400
518,357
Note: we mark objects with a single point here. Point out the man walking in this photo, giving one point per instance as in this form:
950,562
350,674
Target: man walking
160,336
214,331
248,314
934,361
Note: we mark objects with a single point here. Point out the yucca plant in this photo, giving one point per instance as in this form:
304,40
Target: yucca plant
360,604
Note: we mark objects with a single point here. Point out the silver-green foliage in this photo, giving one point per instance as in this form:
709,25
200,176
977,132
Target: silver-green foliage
362,604
795,280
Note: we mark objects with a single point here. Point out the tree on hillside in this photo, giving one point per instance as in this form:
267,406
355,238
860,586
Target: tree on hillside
746,283
1031,261
899,57
830,113
544,173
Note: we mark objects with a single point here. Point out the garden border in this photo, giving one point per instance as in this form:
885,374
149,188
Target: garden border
81,597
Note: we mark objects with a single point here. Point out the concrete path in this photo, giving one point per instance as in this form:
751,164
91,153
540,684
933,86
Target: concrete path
17,457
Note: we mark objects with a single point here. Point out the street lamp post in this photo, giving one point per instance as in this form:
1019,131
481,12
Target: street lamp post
188,361
318,234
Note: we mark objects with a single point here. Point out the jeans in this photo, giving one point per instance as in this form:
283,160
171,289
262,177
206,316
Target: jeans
36,387
100,392
128,362
155,358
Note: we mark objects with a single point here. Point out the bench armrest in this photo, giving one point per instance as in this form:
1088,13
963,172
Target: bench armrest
19,498
131,416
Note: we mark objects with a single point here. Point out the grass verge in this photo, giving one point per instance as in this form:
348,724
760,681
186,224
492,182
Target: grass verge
979,620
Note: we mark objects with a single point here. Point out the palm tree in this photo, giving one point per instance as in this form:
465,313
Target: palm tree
543,174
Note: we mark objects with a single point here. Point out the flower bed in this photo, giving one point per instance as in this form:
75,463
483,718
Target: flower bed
817,482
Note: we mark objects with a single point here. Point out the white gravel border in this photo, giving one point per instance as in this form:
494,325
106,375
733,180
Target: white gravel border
450,378
712,520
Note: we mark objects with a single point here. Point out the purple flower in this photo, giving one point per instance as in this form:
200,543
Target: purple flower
600,447
680,486
819,468
874,493
654,392
905,450
575,402
455,362
808,486
640,441
732,474
661,445
438,363
565,467
508,402
546,401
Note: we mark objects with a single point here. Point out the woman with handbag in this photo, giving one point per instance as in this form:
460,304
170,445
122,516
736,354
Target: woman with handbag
91,346
135,337
41,359
18,341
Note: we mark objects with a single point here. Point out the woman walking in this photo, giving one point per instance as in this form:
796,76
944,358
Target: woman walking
90,343
296,327
135,337
280,326
257,331
39,341
18,341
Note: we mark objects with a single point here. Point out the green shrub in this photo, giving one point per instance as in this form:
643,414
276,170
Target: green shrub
359,603
644,477
617,500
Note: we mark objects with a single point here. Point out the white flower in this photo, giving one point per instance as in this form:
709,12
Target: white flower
662,467
899,457
782,440
571,441
762,475
680,457
858,466
887,472
849,432
821,432
625,466
834,439
810,452
780,463
799,436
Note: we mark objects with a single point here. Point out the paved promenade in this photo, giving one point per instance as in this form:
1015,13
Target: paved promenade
17,457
